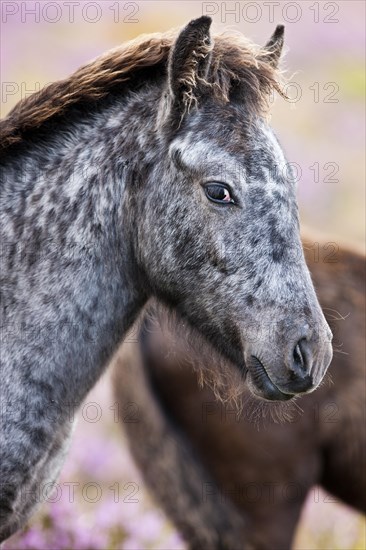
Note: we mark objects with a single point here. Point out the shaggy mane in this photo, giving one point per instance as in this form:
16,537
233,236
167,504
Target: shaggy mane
234,60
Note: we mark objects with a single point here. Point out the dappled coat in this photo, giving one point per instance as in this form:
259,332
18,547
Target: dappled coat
234,483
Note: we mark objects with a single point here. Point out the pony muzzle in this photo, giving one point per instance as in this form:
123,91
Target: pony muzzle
300,371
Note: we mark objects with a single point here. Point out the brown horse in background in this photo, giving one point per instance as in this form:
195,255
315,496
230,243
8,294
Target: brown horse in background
231,482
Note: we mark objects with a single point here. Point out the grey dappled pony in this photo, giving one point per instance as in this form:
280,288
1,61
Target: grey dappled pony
152,171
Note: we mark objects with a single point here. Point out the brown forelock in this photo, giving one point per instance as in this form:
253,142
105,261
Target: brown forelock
234,60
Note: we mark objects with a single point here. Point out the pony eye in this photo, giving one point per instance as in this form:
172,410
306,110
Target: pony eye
218,192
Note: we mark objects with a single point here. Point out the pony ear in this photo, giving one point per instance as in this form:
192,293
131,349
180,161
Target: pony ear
271,52
189,62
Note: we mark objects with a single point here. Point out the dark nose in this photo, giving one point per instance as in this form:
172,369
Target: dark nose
299,366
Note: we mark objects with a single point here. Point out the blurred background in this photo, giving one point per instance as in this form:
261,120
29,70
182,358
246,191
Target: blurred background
101,501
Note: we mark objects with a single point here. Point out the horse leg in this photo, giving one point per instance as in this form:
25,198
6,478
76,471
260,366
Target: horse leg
170,467
344,473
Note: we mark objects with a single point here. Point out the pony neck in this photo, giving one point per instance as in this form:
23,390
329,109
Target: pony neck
73,287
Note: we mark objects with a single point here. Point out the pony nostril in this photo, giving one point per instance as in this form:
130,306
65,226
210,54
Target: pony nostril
299,378
299,356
